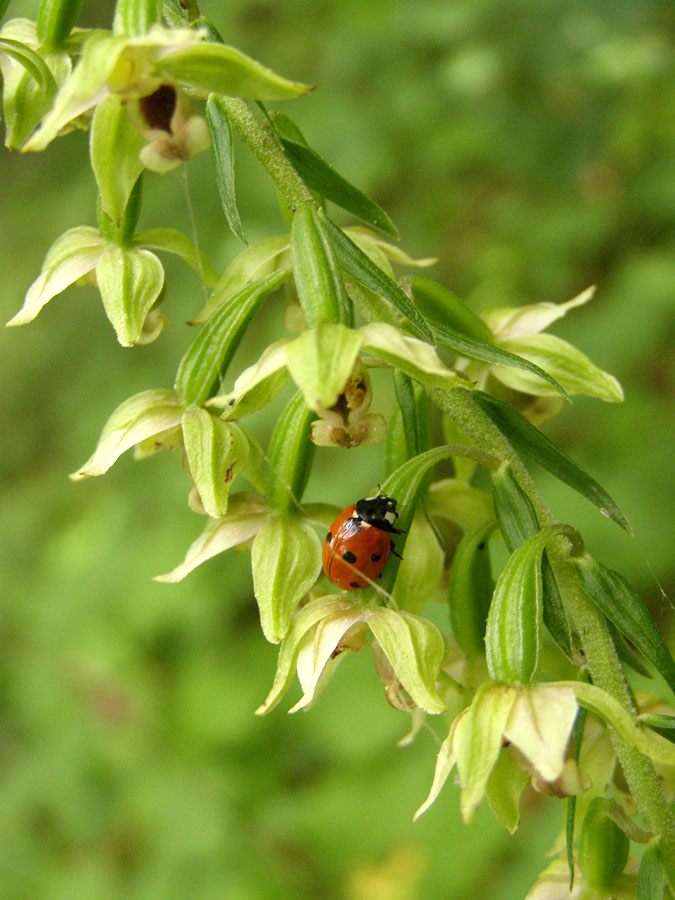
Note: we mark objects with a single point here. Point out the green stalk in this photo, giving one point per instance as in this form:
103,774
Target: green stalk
602,660
266,147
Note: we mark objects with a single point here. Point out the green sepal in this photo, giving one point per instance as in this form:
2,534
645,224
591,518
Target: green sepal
518,522
290,454
535,446
321,360
223,156
211,352
72,255
138,418
516,321
405,485
470,589
317,276
651,874
478,740
603,847
114,147
253,263
562,362
135,17
170,240
55,20
475,348
216,452
504,788
622,606
437,302
361,268
321,177
221,69
286,561
130,281
246,515
258,385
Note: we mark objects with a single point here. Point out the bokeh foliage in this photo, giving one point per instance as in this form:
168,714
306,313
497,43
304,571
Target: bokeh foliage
529,146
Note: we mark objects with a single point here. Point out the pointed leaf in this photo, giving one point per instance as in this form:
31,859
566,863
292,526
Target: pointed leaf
70,257
321,360
412,356
535,446
316,274
321,177
355,263
286,561
475,348
169,240
253,263
415,649
445,763
130,281
114,148
138,418
568,366
221,69
478,740
223,155
216,453
449,312
623,607
246,515
211,352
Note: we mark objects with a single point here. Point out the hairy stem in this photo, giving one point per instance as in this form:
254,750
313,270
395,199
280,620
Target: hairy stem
266,147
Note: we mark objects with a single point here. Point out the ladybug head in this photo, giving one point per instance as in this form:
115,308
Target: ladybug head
380,512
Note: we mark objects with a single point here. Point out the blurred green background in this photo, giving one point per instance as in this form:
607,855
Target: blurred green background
528,145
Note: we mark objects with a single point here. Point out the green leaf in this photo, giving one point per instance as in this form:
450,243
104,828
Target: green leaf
478,740
622,606
355,263
130,281
290,454
170,240
114,147
321,177
321,360
211,352
253,263
470,589
405,395
661,724
535,446
216,452
315,270
223,155
450,313
246,514
412,356
220,69
70,257
55,21
512,639
138,418
286,561
564,363
651,875
476,348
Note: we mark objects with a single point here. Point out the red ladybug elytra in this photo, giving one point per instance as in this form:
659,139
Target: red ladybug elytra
358,542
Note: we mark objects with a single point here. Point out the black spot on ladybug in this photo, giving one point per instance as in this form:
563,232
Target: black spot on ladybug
375,557
329,537
349,557
354,584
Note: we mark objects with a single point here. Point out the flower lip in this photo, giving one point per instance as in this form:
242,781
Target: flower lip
158,108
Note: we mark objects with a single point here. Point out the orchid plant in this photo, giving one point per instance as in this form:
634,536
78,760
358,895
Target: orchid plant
471,390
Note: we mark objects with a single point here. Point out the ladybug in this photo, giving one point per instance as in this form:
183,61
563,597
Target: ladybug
358,542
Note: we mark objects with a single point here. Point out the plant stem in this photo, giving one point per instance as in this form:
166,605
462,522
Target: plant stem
266,147
600,652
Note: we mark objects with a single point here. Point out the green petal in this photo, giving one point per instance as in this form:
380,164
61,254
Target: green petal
514,322
321,360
